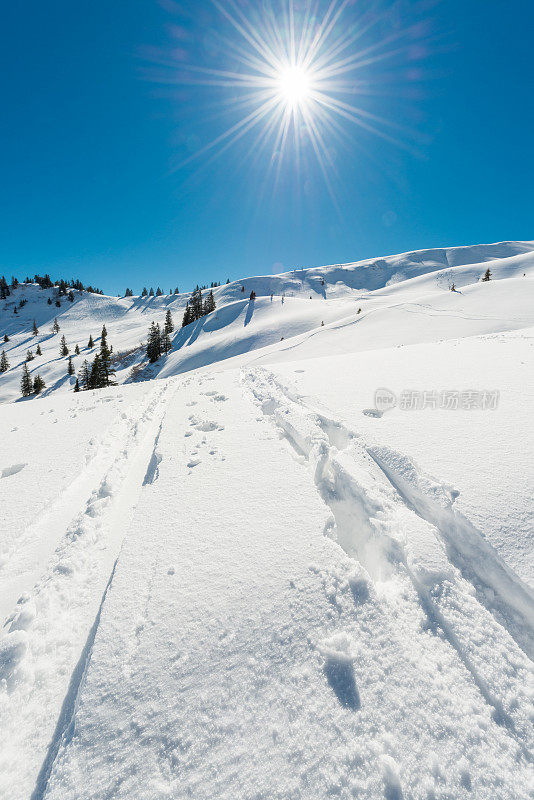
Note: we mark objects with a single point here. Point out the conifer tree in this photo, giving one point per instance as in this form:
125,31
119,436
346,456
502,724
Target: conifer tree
166,344
70,367
38,384
177,291
77,386
151,292
77,350
49,301
153,347
26,385
4,363
55,326
169,325
85,374
70,297
158,292
196,304
144,292
39,351
63,349
29,355
6,338
188,316
35,329
96,378
106,370
487,275
90,343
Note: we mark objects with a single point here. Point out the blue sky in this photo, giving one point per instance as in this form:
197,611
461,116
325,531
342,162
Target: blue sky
99,114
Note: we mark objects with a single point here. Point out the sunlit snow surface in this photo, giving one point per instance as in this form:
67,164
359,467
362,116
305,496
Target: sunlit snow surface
245,581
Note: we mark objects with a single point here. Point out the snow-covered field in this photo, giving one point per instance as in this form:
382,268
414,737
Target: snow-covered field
244,579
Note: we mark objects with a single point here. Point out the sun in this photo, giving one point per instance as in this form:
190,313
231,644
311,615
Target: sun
299,73
294,85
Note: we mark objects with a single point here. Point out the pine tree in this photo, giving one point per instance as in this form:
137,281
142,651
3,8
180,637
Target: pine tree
6,338
210,303
55,326
63,349
35,329
144,292
169,325
90,343
196,304
70,366
106,369
487,275
77,350
49,301
77,386
188,316
85,374
4,363
151,292
177,291
158,292
29,355
26,385
39,351
96,377
38,384
153,347
166,344
70,297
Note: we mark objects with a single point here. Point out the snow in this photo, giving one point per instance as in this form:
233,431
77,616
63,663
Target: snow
243,579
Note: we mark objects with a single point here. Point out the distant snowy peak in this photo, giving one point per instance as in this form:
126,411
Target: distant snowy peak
508,258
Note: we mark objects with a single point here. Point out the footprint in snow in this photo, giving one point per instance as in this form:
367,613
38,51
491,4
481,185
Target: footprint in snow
208,426
372,412
12,470
194,462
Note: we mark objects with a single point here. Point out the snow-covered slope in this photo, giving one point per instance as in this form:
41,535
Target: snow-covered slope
381,302
249,581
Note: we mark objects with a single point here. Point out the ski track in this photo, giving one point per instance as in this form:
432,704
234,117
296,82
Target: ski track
400,524
47,645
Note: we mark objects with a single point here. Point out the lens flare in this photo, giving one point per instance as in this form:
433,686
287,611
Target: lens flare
297,77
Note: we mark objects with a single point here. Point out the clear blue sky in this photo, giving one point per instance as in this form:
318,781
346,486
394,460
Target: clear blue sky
92,142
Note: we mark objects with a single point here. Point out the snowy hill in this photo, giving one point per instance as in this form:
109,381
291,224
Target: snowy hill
251,579
402,299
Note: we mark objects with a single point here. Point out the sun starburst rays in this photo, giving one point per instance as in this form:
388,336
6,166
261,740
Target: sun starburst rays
293,79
